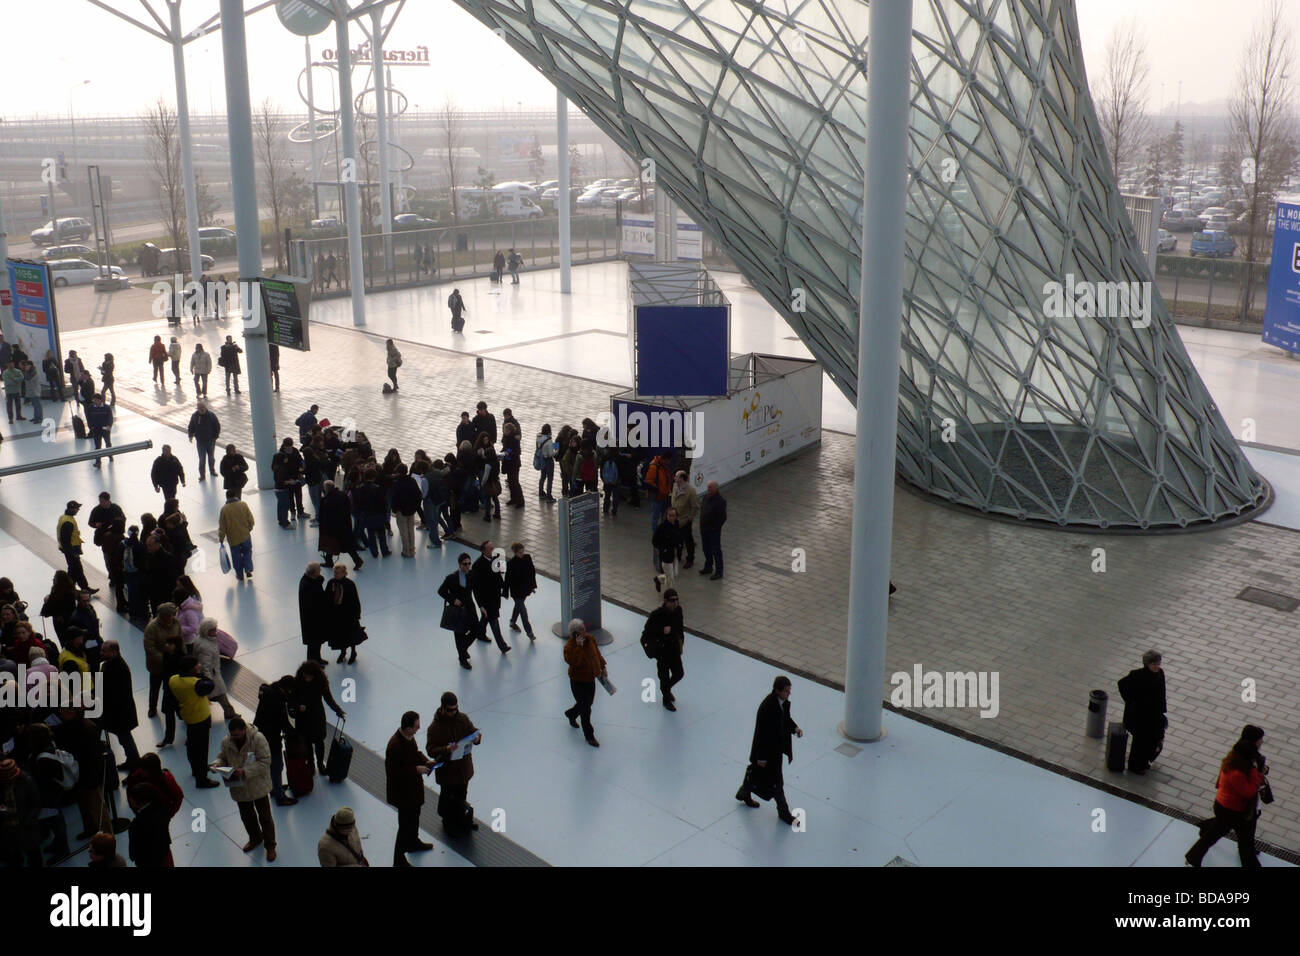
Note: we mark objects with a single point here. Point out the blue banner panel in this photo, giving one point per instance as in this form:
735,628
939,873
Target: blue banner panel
34,322
682,350
1282,309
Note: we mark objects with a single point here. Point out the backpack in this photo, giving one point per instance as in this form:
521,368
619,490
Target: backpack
69,773
609,471
128,557
538,461
587,469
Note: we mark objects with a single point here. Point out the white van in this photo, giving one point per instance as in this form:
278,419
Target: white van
516,189
469,203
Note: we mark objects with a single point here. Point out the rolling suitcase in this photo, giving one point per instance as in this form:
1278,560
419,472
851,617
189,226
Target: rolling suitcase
297,764
1116,746
340,756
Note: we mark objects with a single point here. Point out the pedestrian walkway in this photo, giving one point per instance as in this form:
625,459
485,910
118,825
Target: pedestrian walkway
657,792
975,594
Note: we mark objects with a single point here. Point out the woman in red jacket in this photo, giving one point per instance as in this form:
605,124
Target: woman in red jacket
1241,776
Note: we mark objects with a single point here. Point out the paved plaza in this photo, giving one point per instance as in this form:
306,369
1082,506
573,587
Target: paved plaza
975,594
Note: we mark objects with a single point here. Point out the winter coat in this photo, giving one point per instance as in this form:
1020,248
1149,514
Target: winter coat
287,467
312,695
208,653
486,585
254,758
521,577
773,732
335,516
445,730
450,590
230,357
665,645
340,849
1144,701
665,541
406,495
342,612
272,714
713,512
313,618
167,470
189,614
687,503
405,786
119,715
155,643
205,428
150,841
201,363
234,472
585,661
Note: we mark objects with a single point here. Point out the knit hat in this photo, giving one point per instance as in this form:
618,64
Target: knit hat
8,771
343,820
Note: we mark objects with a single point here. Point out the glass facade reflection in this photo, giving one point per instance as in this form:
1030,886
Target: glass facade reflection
754,114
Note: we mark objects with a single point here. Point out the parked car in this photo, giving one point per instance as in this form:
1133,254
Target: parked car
1213,244
69,227
591,197
409,220
609,197
329,222
178,260
1184,221
1167,241
1213,212
1218,223
64,272
549,184
50,253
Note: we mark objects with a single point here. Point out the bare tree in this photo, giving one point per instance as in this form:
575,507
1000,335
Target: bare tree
269,146
1122,95
162,129
450,123
1261,128
205,202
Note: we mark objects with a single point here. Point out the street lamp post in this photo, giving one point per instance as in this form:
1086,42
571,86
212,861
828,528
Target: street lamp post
72,119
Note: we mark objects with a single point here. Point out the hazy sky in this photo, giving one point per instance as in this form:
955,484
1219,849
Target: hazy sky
1195,41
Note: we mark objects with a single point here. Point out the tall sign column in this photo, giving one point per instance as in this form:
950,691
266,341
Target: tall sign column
187,141
562,204
351,191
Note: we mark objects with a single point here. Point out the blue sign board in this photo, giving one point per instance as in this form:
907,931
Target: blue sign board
1282,309
35,324
682,350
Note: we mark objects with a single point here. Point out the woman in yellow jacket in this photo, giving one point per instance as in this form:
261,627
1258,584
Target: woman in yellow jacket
585,666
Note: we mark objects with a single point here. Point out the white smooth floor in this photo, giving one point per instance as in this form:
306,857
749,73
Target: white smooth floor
659,791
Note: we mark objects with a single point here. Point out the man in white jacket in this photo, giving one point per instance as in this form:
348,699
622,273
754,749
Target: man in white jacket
246,751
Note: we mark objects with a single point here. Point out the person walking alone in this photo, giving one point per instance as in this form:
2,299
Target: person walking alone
404,771
1143,691
158,359
167,470
246,750
1243,779
229,360
394,360
458,310
204,431
586,665
448,728
521,581
773,730
200,368
235,524
106,378
664,638
459,613
99,419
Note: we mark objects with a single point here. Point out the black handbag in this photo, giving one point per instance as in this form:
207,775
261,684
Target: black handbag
455,618
759,783
1266,793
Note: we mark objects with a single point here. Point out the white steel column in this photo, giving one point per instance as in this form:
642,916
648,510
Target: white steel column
248,241
311,126
351,191
187,144
889,39
562,192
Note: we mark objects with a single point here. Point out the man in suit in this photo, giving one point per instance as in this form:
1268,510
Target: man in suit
773,730
455,590
1143,691
665,636
487,585
404,770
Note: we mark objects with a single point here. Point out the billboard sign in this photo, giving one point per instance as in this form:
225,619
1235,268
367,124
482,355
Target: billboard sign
682,350
1282,308
33,322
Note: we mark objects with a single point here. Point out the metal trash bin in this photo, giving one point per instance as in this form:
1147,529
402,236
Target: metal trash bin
1097,701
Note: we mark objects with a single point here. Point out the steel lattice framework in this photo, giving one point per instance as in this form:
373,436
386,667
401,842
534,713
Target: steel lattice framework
754,114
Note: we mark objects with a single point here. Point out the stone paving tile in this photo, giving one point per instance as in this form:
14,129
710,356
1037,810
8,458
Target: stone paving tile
975,594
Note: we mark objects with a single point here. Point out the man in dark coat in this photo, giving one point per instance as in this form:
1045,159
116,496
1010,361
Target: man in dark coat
484,421
456,591
229,360
150,841
713,515
311,614
336,535
665,637
204,430
465,431
166,472
272,719
405,769
449,727
119,717
773,729
1143,691
487,585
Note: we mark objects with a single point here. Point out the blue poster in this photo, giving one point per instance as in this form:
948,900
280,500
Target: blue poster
682,349
1282,309
34,322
